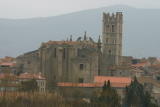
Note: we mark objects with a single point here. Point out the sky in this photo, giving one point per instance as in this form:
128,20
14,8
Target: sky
43,8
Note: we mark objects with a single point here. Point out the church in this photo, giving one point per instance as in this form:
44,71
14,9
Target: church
77,61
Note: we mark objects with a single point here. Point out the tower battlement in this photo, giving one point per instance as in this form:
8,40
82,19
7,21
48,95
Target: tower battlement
113,17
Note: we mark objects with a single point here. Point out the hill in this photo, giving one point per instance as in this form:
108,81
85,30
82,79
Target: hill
141,30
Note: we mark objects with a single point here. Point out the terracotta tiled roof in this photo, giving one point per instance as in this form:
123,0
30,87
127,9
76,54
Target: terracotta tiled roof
7,76
122,67
61,42
140,64
119,80
7,59
31,76
91,85
156,66
7,64
65,84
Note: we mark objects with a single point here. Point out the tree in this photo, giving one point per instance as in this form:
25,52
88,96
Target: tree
29,86
108,97
136,96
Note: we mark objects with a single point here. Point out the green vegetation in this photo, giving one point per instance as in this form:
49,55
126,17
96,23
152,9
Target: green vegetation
29,86
108,97
31,99
136,96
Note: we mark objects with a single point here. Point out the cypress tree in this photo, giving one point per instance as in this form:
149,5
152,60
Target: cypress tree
109,96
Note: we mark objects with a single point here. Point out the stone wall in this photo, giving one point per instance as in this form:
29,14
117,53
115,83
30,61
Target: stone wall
28,62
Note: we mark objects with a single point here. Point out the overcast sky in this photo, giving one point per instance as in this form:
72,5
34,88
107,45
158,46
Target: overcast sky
43,8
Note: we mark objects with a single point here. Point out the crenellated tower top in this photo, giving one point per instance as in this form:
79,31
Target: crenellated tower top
113,18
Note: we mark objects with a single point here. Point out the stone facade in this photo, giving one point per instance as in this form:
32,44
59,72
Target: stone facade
29,62
69,61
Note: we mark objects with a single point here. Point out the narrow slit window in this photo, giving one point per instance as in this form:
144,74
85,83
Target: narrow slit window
113,28
81,66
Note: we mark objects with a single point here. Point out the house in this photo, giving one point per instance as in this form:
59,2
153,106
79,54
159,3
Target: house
8,82
11,82
7,64
41,81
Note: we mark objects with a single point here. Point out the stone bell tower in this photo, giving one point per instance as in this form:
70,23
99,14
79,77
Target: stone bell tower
112,39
